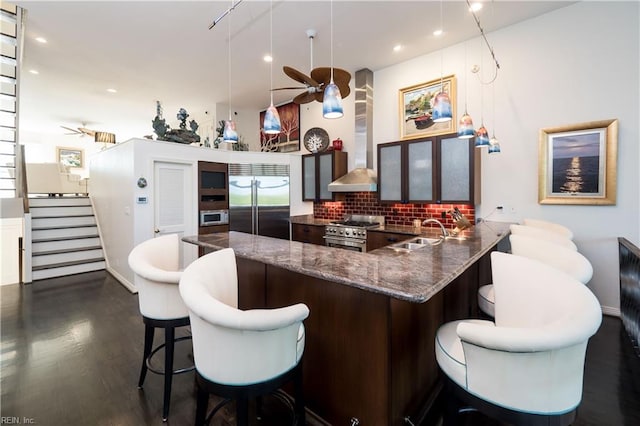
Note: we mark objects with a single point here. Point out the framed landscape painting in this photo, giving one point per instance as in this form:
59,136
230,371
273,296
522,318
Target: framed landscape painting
289,138
70,157
578,163
416,107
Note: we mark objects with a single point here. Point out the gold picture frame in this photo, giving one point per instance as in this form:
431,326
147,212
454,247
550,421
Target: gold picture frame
70,157
416,105
578,163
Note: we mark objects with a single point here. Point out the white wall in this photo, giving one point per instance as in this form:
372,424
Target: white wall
113,187
577,64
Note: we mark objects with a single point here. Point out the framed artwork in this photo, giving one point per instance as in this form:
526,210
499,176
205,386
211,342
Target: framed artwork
578,163
416,106
70,157
289,138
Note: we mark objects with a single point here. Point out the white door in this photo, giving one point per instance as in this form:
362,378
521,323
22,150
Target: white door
174,207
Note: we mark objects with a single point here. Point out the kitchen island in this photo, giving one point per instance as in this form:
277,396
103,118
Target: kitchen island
369,351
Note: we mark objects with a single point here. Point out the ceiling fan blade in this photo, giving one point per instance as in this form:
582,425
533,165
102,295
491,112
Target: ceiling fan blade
73,131
86,131
290,88
298,76
340,77
305,97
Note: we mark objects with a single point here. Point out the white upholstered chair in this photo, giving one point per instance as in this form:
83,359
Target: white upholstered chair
549,226
543,234
239,354
556,255
527,366
155,263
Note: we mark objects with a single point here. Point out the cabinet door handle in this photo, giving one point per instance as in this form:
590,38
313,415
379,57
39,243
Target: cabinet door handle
392,239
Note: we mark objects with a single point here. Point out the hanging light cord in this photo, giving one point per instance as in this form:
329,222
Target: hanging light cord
229,56
331,41
493,55
441,53
271,47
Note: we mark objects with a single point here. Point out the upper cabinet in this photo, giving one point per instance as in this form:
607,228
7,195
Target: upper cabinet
439,169
405,171
318,171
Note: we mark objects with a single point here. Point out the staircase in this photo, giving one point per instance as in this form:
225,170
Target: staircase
64,237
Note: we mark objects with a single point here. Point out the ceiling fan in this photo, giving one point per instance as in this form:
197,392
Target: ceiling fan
80,131
319,78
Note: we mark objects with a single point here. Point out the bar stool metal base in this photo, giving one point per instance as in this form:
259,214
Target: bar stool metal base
169,327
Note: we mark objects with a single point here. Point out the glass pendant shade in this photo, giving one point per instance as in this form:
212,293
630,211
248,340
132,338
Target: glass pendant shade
494,146
441,108
332,102
229,134
272,121
482,137
465,127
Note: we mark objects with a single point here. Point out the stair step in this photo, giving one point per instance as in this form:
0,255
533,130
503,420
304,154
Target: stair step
64,257
52,272
48,240
45,228
64,232
53,244
60,211
66,250
62,221
66,264
58,201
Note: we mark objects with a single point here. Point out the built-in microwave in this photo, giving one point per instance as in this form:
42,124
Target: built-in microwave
214,217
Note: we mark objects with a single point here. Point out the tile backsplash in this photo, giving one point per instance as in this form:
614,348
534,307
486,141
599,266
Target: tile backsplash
366,203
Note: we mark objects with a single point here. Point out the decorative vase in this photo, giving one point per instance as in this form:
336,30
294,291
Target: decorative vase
337,144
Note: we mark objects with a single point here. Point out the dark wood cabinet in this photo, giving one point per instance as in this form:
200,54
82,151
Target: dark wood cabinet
318,171
305,233
438,169
213,192
379,239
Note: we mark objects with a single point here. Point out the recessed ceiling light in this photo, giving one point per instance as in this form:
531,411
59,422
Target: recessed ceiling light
397,48
112,91
34,71
41,39
475,7
437,33
267,58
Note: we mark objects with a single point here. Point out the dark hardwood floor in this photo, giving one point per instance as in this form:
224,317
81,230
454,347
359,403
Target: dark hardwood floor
71,350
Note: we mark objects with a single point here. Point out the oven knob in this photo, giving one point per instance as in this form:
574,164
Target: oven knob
340,232
346,232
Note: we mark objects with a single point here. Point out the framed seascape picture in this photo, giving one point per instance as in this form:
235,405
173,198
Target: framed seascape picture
577,163
416,107
289,138
70,157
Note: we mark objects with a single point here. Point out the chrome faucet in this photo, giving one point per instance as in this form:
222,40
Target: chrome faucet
445,233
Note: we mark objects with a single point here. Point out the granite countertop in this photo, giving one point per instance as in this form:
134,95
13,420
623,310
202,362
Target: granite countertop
412,276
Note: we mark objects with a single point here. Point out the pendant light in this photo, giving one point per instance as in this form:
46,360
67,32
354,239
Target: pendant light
332,100
482,134
271,124
442,104
229,133
465,127
494,145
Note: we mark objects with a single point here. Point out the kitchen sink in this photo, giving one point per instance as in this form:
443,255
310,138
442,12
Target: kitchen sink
458,238
424,241
408,246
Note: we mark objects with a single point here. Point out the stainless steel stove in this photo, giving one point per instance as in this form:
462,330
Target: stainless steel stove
351,233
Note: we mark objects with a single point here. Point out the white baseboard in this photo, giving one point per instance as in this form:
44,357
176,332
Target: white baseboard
608,310
126,283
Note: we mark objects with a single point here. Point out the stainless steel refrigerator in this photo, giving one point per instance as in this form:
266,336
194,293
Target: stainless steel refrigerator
259,199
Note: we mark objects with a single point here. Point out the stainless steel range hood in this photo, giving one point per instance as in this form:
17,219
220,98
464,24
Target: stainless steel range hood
362,178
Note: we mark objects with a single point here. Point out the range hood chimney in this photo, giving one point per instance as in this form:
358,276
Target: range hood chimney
362,178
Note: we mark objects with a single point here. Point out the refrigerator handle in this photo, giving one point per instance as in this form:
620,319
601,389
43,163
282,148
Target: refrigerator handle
254,206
